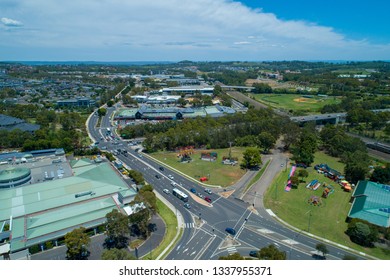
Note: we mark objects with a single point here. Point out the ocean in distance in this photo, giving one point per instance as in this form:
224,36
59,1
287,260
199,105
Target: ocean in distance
125,63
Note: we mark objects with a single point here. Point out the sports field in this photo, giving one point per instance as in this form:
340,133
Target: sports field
296,102
217,173
328,220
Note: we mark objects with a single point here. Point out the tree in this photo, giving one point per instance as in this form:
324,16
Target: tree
361,233
102,112
294,181
235,256
271,253
356,167
117,230
321,247
76,242
304,150
381,175
110,103
266,141
303,173
117,254
251,158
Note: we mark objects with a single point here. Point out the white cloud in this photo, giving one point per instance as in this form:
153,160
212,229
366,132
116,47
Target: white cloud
173,30
11,22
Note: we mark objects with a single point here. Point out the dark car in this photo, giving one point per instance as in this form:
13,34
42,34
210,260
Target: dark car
161,168
208,199
193,190
231,231
187,205
158,176
254,254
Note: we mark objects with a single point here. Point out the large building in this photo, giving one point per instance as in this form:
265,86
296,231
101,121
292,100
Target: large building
172,113
79,102
57,197
371,202
11,123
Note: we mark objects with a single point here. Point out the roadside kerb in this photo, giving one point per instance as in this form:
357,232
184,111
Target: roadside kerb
269,211
181,173
180,223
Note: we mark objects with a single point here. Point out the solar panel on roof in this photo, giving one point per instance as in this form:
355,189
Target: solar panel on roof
386,187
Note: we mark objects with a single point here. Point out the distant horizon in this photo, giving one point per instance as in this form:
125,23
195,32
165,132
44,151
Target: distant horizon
151,62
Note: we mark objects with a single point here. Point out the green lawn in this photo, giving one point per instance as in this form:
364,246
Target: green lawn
218,173
295,102
326,220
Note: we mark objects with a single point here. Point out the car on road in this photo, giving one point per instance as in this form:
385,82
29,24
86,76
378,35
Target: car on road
200,195
208,191
161,168
230,230
282,165
170,176
158,176
193,190
166,191
187,205
208,199
254,254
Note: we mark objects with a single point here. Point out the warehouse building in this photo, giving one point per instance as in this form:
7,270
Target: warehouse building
59,196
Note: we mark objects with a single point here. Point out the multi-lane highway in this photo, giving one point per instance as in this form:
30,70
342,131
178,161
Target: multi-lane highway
204,235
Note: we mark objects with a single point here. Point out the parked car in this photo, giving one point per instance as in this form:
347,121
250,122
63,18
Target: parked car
193,190
231,231
254,254
208,199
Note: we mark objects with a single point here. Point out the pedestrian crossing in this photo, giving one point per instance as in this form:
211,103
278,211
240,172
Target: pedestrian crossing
231,250
188,225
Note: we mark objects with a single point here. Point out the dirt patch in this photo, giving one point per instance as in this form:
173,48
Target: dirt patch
200,200
305,100
226,194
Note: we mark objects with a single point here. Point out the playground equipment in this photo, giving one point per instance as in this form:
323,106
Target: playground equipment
184,153
314,200
288,185
209,156
345,185
313,185
327,191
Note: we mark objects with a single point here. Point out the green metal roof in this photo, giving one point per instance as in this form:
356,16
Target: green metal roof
48,210
371,203
13,173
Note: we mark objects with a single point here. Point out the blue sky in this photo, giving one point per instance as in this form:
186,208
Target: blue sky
173,30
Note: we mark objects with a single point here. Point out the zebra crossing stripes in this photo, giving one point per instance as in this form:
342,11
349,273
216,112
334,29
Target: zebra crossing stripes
188,225
231,250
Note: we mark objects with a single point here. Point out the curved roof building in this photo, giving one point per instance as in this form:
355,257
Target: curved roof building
14,176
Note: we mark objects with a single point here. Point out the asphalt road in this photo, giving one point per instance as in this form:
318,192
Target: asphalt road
204,234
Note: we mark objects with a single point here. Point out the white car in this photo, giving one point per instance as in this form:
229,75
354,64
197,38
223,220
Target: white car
166,191
170,176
